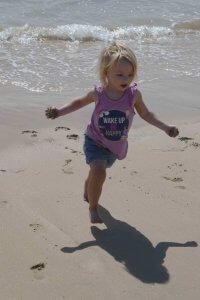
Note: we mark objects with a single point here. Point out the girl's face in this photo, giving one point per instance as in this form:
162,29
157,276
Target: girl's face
120,75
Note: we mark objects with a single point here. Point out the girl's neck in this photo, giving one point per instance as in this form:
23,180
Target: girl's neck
113,94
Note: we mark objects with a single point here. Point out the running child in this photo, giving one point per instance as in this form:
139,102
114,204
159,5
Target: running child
106,136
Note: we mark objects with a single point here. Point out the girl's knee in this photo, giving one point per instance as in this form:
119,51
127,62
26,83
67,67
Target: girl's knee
98,171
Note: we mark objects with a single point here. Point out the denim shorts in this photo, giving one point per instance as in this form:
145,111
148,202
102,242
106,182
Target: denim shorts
94,152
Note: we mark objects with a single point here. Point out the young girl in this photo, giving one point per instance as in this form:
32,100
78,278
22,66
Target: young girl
115,104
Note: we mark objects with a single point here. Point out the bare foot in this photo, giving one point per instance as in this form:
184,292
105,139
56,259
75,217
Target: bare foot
94,216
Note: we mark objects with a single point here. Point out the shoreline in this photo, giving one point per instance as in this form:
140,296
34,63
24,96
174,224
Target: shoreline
24,110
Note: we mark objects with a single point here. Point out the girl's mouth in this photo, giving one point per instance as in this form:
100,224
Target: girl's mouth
123,85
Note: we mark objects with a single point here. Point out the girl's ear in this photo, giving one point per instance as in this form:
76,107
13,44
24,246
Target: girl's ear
106,77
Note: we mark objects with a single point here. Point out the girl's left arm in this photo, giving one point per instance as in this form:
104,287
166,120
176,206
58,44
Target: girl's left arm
149,117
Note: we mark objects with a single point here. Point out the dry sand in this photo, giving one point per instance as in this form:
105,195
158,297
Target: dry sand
147,247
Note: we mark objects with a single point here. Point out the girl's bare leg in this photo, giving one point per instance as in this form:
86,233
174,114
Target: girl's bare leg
93,189
85,196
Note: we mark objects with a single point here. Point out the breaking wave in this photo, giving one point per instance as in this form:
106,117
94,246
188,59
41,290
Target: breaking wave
84,33
188,26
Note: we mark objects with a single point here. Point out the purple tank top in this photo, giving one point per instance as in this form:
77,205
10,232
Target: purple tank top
112,119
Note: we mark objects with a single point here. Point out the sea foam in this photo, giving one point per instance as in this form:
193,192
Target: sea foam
85,33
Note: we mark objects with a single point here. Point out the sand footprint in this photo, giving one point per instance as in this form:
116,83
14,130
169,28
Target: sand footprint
175,179
67,170
133,173
37,270
67,161
16,171
195,145
187,139
49,140
74,151
33,132
181,187
62,127
3,203
36,227
174,165
19,171
72,136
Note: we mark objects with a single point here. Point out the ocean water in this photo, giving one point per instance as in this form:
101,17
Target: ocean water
53,45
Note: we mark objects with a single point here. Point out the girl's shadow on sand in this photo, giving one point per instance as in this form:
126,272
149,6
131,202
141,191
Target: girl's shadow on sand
132,248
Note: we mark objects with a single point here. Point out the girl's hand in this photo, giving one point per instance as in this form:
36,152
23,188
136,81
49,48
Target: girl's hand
52,113
172,131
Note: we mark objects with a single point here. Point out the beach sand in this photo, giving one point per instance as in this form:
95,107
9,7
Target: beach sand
147,247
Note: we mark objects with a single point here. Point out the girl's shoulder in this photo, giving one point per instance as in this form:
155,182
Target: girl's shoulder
99,93
98,89
137,97
132,93
89,97
92,94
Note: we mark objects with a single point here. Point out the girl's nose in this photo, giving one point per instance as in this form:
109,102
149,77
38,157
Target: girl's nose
125,78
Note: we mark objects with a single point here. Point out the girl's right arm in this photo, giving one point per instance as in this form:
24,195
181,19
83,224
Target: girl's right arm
149,117
53,112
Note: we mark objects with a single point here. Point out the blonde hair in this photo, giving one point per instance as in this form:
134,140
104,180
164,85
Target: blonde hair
111,55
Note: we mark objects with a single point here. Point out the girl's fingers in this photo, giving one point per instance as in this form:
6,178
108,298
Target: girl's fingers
51,113
173,132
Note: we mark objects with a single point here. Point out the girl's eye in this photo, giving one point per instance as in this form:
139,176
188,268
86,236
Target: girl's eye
119,75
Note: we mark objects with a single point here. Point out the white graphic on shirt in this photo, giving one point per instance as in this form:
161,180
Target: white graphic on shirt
113,124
